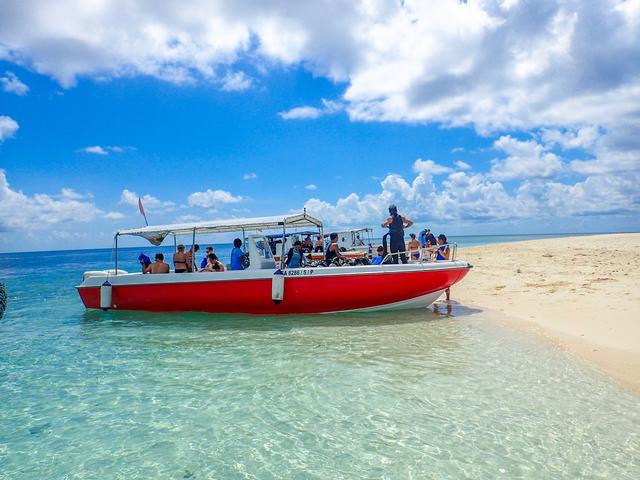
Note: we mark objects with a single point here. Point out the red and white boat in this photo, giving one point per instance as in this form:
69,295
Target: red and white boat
263,288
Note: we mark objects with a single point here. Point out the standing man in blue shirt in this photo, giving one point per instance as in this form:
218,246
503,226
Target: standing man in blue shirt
237,256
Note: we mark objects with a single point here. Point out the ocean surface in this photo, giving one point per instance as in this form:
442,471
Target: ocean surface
440,393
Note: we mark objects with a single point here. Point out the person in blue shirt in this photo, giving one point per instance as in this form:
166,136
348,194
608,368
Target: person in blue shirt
237,256
426,237
378,260
295,256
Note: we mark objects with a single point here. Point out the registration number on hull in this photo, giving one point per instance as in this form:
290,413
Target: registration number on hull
297,272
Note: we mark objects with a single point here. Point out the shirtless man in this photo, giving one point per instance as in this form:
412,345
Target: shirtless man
158,266
190,254
180,260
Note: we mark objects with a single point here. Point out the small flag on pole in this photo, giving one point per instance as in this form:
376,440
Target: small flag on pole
141,208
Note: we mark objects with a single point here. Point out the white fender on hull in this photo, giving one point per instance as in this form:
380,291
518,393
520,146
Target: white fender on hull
105,295
277,286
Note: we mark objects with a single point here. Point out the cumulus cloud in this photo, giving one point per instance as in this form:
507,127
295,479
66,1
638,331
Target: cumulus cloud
429,167
462,165
19,211
113,216
12,84
151,203
235,82
8,127
212,198
311,186
249,176
476,197
306,112
525,159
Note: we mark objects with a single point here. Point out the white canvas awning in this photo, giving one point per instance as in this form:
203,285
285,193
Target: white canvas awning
157,233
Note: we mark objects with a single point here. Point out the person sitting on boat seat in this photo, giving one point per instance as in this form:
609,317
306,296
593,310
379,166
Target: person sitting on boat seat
414,247
443,249
180,260
237,256
213,264
158,266
144,261
333,250
295,257
378,260
205,260
319,248
307,245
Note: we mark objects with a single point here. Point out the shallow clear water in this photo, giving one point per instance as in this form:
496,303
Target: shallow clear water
403,395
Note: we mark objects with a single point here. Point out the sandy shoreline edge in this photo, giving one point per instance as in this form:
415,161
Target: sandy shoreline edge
581,293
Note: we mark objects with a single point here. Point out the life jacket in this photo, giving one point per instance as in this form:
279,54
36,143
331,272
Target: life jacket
440,252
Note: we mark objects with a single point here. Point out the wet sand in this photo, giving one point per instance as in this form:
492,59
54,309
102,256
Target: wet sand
582,293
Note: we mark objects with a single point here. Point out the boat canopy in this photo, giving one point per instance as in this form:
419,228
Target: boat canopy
157,233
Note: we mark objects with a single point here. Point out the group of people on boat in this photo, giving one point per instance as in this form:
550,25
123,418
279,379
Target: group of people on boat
183,260
393,250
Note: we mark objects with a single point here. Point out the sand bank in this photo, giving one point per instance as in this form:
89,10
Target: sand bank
582,293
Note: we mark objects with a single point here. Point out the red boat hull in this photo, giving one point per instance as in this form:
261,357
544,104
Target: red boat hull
303,294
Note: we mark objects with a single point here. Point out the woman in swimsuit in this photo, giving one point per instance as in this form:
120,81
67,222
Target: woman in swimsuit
180,260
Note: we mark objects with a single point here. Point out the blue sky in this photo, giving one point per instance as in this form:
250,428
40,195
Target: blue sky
280,119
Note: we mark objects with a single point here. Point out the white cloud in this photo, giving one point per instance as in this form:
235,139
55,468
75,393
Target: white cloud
306,112
113,216
249,176
236,82
105,150
150,203
429,167
19,211
462,165
96,150
311,186
476,197
212,198
525,159
12,84
8,127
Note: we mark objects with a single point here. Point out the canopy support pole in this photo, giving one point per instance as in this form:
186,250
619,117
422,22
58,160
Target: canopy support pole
116,239
284,239
194,268
175,243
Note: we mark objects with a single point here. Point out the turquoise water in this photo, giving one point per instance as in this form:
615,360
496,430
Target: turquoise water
429,394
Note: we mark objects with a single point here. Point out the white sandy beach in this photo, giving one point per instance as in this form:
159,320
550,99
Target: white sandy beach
583,293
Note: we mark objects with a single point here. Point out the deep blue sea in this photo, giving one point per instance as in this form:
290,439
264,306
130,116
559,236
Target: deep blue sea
434,394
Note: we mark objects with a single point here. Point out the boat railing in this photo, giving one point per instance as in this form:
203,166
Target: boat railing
424,254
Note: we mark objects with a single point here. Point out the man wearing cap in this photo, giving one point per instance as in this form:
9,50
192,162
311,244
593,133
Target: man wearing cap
397,223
